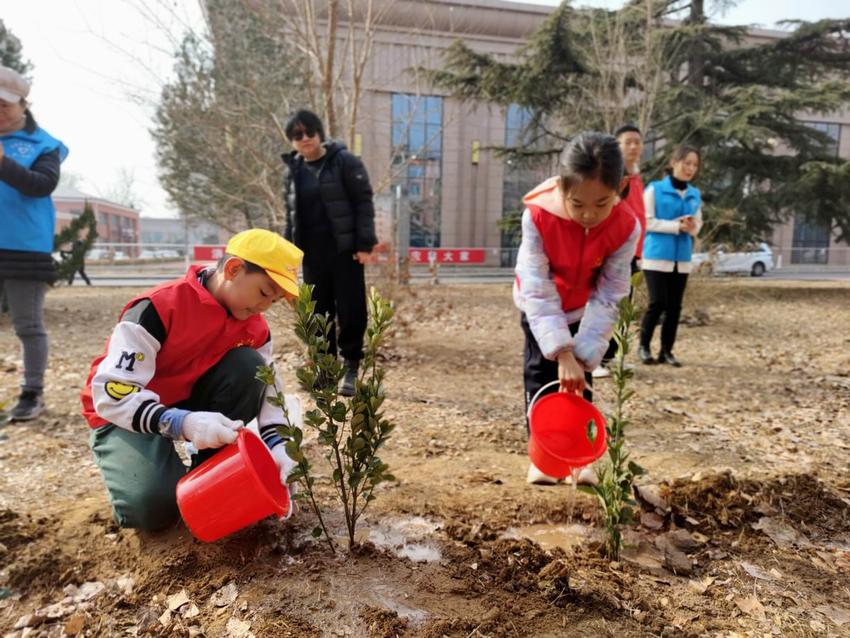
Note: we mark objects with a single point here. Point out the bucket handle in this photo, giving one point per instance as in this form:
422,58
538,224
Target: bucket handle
537,395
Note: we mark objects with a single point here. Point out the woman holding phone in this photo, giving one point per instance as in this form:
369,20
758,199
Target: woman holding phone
673,219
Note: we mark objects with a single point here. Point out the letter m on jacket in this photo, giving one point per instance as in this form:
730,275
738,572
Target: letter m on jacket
126,357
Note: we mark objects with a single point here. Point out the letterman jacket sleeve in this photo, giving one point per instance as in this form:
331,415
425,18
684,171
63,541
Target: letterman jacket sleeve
535,293
119,384
600,313
270,416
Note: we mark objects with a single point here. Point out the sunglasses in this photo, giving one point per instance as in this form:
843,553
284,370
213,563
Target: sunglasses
297,136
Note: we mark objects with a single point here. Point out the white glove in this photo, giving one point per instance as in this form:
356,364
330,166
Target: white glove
284,464
210,429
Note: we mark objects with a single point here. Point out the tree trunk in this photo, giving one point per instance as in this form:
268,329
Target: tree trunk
328,79
696,60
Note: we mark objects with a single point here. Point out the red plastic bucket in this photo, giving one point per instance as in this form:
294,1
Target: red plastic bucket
238,486
558,439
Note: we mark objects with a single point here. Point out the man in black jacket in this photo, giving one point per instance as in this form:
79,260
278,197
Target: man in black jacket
331,217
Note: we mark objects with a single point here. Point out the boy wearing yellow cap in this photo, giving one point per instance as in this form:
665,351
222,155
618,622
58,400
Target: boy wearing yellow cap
180,365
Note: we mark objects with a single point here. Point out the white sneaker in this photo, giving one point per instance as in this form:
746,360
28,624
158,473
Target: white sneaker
536,477
587,476
601,372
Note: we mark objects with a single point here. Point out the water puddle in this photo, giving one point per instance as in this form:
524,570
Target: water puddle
549,535
410,538
413,615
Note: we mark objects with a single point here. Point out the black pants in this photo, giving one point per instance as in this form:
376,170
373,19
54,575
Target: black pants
538,370
229,387
83,274
611,352
666,291
339,290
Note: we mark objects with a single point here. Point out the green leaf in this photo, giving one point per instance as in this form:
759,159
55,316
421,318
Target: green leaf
293,451
593,490
636,469
591,430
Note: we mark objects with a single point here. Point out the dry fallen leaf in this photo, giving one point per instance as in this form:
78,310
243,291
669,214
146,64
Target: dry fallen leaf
225,596
701,586
836,614
74,625
165,619
780,532
751,605
238,628
755,571
176,601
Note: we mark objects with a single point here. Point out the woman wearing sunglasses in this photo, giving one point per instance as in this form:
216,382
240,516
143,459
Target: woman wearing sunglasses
331,217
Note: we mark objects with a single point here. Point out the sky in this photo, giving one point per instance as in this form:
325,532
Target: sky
99,66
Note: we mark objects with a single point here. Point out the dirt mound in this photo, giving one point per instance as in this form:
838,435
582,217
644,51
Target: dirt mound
725,502
382,623
37,561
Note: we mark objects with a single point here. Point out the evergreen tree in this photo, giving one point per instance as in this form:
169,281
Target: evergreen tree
11,51
662,64
72,236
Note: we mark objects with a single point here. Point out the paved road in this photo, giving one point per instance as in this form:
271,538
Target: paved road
470,275
809,276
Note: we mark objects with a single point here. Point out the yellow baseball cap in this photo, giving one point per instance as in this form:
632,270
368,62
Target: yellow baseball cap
271,252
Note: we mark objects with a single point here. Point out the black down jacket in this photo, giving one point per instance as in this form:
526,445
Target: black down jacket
346,193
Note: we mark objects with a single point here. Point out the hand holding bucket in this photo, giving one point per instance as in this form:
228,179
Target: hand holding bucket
233,489
558,426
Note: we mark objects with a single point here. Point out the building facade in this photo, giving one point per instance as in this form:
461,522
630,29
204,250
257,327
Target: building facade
116,224
436,152
177,232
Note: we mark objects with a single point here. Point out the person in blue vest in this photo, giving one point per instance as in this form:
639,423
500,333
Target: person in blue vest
29,172
673,219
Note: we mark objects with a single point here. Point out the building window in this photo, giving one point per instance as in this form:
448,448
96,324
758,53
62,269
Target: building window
114,228
811,241
520,176
417,152
833,131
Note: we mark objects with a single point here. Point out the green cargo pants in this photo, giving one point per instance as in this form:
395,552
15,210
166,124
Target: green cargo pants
141,470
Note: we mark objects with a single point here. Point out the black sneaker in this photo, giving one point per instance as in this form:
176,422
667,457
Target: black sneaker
669,359
30,405
349,380
645,356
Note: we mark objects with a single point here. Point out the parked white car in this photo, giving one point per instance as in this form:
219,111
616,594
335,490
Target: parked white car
97,253
755,262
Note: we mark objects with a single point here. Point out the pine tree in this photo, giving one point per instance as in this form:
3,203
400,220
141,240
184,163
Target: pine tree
662,64
11,51
72,235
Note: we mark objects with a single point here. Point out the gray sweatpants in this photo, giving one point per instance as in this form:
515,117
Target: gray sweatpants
26,305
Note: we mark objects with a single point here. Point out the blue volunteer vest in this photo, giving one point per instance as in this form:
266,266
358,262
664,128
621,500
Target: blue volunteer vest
27,223
669,205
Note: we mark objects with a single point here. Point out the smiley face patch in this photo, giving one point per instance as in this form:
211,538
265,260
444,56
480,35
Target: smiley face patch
117,390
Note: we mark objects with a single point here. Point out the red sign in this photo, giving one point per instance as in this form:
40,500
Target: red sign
417,255
208,253
447,255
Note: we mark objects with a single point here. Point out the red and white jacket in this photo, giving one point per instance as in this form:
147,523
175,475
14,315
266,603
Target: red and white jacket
634,199
141,374
566,273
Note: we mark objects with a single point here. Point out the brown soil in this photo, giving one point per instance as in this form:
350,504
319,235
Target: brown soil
748,444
